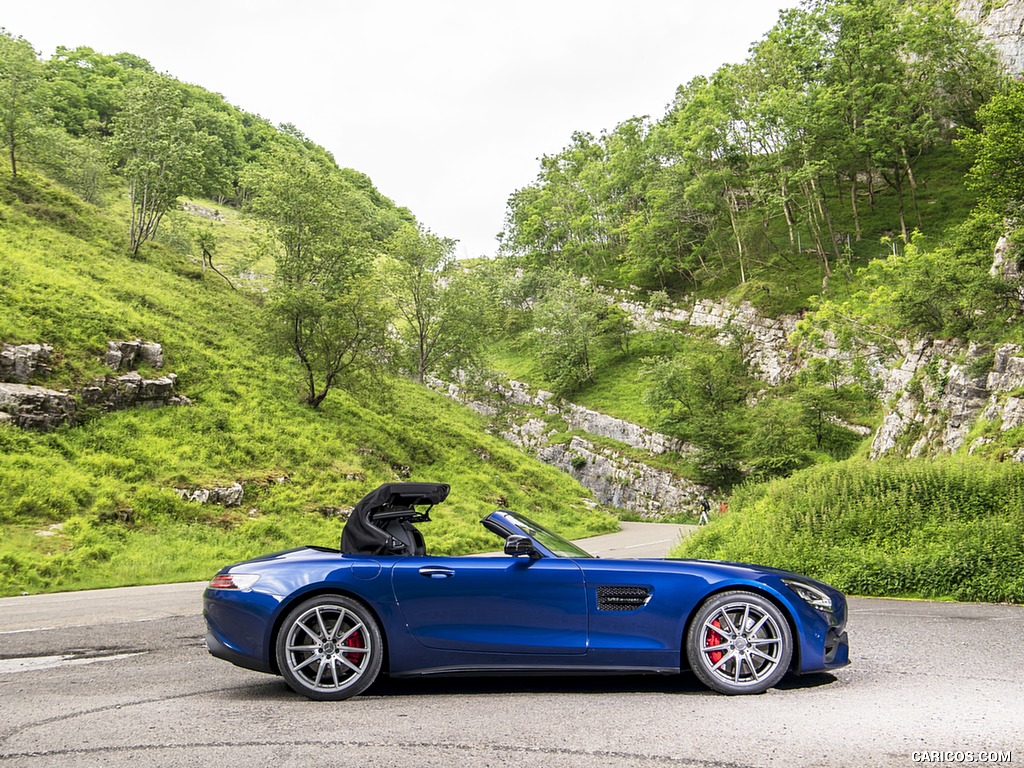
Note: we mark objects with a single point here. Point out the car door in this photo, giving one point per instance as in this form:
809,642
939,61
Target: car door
500,605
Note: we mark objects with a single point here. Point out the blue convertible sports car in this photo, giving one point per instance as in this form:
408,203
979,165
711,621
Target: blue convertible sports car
330,621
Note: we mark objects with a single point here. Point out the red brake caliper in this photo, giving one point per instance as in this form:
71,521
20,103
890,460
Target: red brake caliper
711,639
355,640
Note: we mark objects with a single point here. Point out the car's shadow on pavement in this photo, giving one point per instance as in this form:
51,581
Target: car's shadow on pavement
570,684
385,687
686,684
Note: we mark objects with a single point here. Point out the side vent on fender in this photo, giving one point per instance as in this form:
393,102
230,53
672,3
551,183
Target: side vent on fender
622,598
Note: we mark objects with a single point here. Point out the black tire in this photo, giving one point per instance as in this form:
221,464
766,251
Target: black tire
329,648
739,642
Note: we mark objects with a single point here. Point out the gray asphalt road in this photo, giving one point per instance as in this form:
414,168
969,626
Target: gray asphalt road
91,680
637,540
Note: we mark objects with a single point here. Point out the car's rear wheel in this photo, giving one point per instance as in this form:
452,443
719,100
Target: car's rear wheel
329,648
739,642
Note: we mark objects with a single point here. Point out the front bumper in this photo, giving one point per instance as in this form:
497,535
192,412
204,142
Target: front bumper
837,649
823,641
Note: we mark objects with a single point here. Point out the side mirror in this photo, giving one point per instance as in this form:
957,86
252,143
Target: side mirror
520,545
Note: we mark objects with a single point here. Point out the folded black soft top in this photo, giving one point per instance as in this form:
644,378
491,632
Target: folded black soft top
401,496
362,536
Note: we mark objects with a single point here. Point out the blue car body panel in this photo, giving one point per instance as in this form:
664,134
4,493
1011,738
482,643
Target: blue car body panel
493,604
442,615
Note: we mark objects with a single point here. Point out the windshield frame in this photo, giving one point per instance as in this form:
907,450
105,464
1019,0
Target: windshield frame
549,542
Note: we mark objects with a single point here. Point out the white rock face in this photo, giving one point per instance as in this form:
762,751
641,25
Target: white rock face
20,362
1004,263
585,420
934,392
130,390
933,397
36,408
532,434
940,399
1002,26
765,340
127,355
228,496
621,482
614,479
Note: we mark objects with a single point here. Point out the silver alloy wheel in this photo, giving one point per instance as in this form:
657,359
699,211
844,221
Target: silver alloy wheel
739,642
329,648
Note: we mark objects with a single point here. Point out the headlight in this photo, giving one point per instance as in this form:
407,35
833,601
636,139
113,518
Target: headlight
240,581
811,595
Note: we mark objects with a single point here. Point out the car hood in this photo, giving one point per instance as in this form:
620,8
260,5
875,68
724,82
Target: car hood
712,570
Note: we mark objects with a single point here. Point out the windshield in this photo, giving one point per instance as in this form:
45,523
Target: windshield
552,541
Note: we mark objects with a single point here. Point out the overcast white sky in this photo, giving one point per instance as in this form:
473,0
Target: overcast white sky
445,104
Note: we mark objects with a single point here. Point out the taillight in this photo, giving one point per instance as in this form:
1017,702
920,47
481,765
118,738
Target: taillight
234,581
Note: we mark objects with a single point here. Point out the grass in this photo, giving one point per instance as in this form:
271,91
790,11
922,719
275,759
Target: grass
65,279
238,241
618,385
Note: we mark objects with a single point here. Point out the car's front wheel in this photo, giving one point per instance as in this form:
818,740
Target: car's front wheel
329,648
739,642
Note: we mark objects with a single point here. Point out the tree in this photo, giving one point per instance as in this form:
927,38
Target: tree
311,214
337,337
996,149
573,321
224,151
706,135
698,397
321,307
206,242
158,150
441,318
557,221
20,73
86,89
80,163
779,443
897,76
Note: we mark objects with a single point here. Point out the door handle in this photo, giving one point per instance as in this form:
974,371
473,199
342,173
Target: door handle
436,572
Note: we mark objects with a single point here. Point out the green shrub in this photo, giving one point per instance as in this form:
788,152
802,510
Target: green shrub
943,529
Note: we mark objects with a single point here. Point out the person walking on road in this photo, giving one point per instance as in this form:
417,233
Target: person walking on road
705,506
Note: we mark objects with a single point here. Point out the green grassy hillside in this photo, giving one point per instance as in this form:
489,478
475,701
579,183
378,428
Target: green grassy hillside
93,505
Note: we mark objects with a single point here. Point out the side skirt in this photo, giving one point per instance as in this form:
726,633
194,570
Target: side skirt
501,670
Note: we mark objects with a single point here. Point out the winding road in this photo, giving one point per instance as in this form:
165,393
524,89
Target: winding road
121,677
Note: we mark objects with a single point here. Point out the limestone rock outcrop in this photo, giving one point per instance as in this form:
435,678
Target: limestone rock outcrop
20,362
765,340
1004,261
601,424
940,391
128,355
1002,25
36,408
622,482
225,496
42,409
626,482
130,390
202,211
